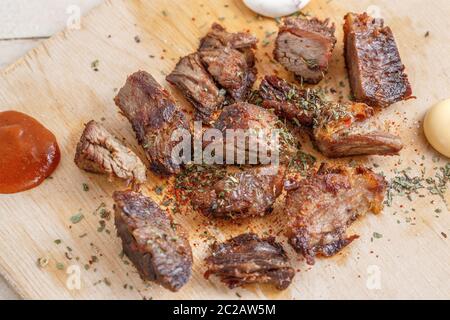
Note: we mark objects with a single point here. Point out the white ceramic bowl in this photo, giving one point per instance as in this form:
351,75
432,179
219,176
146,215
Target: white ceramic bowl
275,8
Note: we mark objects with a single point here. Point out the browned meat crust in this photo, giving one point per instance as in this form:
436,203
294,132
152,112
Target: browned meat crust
99,152
191,78
289,101
337,130
324,205
158,247
250,119
374,66
304,47
154,117
243,115
230,69
249,192
249,259
218,37
349,129
230,59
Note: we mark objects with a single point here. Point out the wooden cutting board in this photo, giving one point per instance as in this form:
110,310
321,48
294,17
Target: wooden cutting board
401,253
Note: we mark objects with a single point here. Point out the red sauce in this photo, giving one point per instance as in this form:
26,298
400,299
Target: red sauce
29,152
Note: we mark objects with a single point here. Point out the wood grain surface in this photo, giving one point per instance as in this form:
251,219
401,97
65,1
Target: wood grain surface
24,24
56,84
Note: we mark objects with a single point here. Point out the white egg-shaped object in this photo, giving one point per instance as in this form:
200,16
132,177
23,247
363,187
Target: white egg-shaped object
436,127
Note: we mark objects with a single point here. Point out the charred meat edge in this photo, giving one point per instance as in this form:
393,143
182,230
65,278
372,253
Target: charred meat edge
247,118
191,78
289,101
375,69
154,117
323,206
230,59
158,247
250,192
337,129
247,259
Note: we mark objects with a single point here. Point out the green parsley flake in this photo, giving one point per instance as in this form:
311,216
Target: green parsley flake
377,235
76,218
43,262
94,65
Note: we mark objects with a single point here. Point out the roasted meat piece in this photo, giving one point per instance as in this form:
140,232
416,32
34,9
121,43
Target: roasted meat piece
304,47
99,152
245,116
230,69
154,117
349,129
254,138
249,259
158,247
219,37
239,194
322,206
374,66
230,59
337,129
191,78
289,101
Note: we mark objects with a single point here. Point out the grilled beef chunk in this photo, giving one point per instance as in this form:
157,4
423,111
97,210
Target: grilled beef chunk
154,117
249,192
157,246
218,37
197,86
230,69
230,59
243,115
258,123
98,151
288,101
337,130
305,46
238,193
374,66
249,259
349,129
325,204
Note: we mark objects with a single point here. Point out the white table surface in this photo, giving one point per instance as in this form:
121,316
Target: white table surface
23,25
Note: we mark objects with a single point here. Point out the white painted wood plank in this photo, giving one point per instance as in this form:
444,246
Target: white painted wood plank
11,50
39,18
